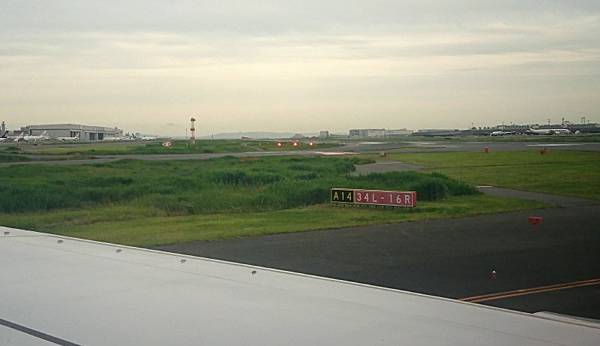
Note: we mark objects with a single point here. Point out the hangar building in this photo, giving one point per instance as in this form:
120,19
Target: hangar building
84,132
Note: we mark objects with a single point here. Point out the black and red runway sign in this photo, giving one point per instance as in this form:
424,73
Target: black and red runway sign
407,199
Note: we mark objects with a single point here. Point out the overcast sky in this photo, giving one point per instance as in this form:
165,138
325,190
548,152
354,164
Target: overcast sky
303,66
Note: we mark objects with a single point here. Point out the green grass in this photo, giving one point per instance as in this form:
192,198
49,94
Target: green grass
178,147
564,172
151,227
150,203
192,187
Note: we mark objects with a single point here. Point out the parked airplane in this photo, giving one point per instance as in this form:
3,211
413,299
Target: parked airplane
147,138
119,139
68,139
19,137
502,133
549,131
31,138
141,137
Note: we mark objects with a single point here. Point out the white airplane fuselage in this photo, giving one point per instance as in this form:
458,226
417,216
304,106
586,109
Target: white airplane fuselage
117,139
67,139
35,138
550,131
501,133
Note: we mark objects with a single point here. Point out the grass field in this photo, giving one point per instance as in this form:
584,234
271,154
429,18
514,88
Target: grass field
136,226
191,187
178,147
152,203
560,172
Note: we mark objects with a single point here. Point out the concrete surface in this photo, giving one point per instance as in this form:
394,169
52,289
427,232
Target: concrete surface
450,258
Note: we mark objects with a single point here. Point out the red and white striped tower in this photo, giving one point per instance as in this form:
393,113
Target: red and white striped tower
193,131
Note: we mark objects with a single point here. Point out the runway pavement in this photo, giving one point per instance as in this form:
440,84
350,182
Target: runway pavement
348,149
453,258
65,161
443,146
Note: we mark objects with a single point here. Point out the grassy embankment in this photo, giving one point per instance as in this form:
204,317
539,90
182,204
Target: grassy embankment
563,172
152,203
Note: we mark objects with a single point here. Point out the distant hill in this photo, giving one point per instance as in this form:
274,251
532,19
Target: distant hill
254,135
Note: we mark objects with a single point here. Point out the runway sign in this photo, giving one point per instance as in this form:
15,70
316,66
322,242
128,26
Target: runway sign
342,196
407,199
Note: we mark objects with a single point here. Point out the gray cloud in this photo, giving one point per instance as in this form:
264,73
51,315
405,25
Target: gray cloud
298,65
272,16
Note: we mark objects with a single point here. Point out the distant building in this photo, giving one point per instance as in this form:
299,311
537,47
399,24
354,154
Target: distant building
397,133
438,132
363,133
84,132
324,134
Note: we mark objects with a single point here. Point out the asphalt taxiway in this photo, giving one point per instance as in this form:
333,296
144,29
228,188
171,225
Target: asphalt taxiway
456,258
347,149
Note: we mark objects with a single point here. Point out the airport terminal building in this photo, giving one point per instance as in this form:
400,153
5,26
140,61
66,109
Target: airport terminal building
369,133
84,132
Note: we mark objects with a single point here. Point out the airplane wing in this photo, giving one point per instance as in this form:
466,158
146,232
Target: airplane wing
60,290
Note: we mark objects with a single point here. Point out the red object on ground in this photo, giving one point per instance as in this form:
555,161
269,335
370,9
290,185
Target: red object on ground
486,150
493,274
535,220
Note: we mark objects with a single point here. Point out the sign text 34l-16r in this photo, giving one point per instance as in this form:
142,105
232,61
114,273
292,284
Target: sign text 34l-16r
374,197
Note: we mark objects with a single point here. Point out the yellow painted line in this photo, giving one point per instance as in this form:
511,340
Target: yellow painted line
528,291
